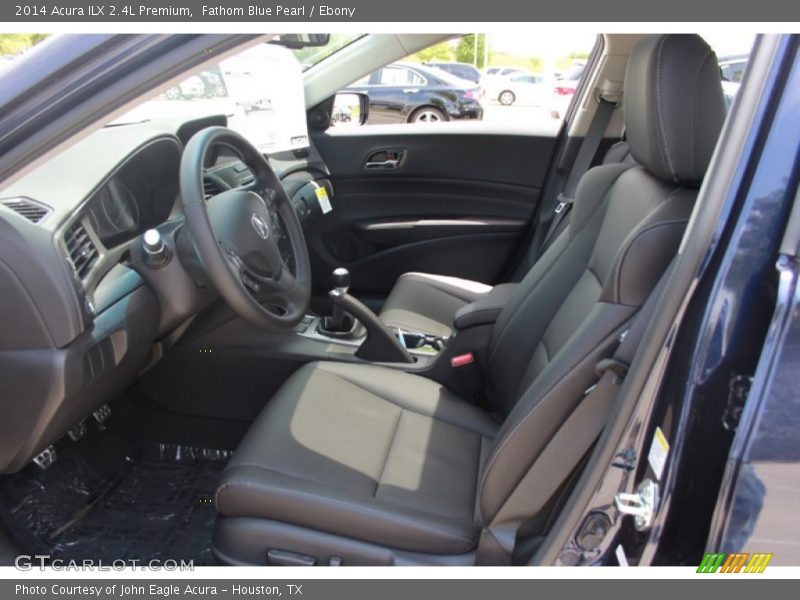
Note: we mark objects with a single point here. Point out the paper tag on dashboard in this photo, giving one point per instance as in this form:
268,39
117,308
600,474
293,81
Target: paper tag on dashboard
322,198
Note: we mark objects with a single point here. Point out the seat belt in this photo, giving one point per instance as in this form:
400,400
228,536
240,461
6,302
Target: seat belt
586,154
571,442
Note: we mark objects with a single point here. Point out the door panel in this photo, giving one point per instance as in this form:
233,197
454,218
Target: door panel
455,205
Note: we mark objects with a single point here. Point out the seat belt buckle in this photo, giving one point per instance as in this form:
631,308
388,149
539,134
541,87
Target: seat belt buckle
563,202
613,365
462,360
607,365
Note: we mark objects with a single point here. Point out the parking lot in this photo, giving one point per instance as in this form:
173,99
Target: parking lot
494,112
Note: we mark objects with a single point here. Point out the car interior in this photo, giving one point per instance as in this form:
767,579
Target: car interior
355,352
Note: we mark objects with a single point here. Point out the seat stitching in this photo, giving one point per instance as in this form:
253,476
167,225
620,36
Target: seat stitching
617,267
551,266
450,293
659,109
696,108
336,501
388,452
504,442
650,228
543,342
401,407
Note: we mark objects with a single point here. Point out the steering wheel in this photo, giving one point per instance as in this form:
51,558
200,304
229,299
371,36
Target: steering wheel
264,276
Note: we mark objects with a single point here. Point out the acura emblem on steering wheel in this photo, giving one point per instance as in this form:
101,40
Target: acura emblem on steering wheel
260,226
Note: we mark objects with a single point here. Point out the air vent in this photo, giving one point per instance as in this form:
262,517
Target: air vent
210,187
82,251
31,210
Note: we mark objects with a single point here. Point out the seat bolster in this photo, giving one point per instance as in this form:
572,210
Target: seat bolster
252,491
545,403
427,303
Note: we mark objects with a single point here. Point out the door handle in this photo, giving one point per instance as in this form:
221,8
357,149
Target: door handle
389,159
410,90
390,164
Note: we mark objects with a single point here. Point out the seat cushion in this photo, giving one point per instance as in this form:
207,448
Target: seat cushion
427,303
366,452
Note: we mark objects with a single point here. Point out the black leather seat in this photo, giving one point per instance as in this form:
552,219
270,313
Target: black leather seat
377,466
428,303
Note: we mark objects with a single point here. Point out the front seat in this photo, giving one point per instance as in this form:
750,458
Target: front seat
361,464
429,303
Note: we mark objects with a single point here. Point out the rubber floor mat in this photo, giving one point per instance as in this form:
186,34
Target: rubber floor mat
155,505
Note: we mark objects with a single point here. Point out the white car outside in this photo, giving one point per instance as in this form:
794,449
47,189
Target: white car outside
517,88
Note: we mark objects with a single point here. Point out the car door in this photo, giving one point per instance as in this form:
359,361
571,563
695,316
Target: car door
441,199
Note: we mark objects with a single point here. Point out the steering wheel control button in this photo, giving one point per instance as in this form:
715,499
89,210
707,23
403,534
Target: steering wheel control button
156,253
251,283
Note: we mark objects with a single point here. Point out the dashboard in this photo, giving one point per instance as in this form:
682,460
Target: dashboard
75,285
138,196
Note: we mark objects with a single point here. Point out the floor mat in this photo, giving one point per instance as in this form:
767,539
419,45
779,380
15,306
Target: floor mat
156,503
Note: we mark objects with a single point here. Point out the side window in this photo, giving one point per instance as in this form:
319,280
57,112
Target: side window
399,76
483,79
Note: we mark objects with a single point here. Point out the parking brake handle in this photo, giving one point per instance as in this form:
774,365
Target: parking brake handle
380,345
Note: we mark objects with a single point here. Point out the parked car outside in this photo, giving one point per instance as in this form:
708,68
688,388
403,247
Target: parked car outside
193,87
501,71
518,88
464,71
564,90
403,93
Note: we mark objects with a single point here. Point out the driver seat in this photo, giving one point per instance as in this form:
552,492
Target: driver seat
362,464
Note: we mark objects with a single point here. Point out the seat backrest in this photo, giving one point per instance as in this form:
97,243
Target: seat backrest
627,223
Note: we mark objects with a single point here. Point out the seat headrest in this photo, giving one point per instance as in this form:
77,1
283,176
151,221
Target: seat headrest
674,106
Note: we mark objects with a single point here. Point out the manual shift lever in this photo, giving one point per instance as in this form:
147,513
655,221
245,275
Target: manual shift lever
341,280
341,321
353,320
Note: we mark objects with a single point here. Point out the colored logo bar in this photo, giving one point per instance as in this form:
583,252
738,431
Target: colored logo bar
735,562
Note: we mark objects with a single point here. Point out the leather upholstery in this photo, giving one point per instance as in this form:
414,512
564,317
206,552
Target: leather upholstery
426,303
391,459
674,106
367,452
486,309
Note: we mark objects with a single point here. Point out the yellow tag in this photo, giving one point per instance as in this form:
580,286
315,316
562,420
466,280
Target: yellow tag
659,451
324,201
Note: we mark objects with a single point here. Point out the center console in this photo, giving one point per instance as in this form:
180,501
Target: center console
354,333
353,324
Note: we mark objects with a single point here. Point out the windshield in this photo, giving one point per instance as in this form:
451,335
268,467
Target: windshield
260,90
309,57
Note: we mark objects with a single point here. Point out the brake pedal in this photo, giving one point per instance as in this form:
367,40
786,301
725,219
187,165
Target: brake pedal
101,415
77,431
45,458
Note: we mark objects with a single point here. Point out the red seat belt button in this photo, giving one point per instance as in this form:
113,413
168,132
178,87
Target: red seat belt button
462,359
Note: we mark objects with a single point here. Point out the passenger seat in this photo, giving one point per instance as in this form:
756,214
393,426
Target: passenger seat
428,303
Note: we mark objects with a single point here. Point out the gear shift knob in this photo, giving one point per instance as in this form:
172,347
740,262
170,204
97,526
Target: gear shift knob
341,280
